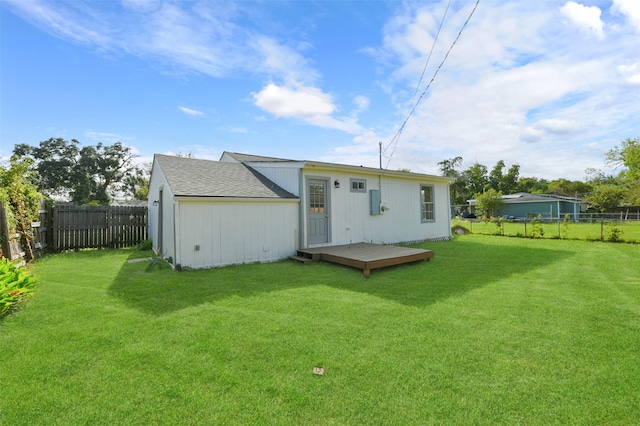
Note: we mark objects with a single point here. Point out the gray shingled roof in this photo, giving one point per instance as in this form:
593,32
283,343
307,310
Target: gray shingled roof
524,197
206,178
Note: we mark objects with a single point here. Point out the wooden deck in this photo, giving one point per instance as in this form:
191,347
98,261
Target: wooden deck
364,256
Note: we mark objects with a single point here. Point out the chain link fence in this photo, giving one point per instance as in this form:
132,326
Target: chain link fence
589,227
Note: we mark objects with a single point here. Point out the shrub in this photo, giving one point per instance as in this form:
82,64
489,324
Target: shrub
499,224
565,226
15,285
145,245
536,228
614,233
158,260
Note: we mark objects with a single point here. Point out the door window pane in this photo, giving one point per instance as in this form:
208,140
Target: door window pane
316,198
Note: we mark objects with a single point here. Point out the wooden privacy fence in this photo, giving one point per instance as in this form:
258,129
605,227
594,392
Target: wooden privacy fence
77,227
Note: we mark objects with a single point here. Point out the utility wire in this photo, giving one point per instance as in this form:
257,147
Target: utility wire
394,140
435,40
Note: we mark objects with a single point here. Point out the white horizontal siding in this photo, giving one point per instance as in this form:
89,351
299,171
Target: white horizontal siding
157,182
235,232
351,221
287,178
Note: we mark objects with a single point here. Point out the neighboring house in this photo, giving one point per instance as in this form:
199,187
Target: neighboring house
550,206
247,208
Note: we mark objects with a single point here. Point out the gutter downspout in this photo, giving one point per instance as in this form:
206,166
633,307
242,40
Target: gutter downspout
177,255
380,191
301,214
449,209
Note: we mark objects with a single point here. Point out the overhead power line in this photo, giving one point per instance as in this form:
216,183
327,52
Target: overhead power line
433,45
396,137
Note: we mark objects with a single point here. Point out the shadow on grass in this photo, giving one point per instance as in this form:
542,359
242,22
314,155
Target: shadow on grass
458,267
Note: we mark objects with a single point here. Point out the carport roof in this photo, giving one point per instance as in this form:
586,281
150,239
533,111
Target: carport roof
524,197
192,177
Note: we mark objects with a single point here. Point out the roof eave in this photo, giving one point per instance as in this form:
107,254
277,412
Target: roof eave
222,199
374,171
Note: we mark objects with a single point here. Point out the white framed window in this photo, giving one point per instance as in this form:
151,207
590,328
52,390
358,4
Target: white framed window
426,203
358,185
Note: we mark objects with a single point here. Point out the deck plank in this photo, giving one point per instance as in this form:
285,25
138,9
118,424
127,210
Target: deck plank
368,256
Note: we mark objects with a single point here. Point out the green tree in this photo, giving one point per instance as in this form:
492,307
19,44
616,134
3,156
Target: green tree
475,178
510,180
490,202
21,199
605,197
627,155
86,175
55,161
452,168
532,185
495,176
507,183
569,187
138,182
597,177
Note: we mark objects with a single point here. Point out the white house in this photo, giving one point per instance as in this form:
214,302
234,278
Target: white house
247,208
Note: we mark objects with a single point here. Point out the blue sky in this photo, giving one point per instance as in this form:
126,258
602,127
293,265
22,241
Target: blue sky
550,85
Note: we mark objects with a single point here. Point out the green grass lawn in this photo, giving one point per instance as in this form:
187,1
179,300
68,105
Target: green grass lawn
628,231
493,330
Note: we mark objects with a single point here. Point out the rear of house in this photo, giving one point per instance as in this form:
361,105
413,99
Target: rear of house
265,208
206,213
343,204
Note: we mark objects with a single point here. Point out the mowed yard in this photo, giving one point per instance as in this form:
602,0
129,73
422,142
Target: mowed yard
493,330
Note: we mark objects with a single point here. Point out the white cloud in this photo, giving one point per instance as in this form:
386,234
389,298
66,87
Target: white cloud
106,137
557,126
518,85
361,102
140,5
240,130
204,38
299,102
520,77
188,41
629,8
189,111
306,103
587,18
282,61
531,135
630,73
199,37
63,22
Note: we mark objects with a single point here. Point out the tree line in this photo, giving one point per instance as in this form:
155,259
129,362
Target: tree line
64,170
603,192
95,174
84,175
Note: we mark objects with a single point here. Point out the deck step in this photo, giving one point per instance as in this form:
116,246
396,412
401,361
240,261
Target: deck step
311,256
302,259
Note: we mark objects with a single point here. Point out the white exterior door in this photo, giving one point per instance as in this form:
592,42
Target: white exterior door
317,211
